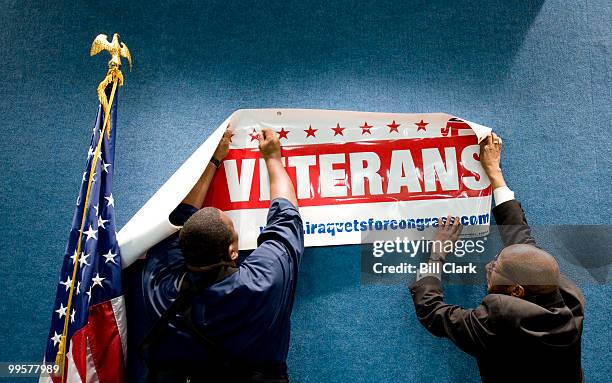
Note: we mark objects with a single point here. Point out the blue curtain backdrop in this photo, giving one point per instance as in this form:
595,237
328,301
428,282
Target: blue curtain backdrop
538,72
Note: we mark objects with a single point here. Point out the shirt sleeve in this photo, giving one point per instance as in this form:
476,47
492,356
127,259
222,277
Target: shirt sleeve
272,268
284,226
502,194
181,214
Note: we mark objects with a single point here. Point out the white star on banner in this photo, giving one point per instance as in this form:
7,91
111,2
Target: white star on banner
56,338
96,209
110,257
97,280
90,152
83,259
67,283
88,292
111,200
102,222
100,155
61,311
78,200
78,287
91,233
72,316
84,174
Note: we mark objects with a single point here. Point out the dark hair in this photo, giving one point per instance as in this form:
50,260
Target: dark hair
205,238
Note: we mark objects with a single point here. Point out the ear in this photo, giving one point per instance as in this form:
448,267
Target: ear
517,291
232,253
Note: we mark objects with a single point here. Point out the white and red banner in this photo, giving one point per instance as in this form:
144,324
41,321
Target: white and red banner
354,173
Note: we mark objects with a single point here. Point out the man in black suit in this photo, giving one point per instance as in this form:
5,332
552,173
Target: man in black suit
529,326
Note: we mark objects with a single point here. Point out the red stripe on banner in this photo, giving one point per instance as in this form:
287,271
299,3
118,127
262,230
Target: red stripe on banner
357,172
105,343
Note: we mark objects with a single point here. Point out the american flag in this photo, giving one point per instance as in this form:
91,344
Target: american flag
94,319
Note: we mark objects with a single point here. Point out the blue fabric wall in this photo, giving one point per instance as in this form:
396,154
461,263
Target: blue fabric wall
538,72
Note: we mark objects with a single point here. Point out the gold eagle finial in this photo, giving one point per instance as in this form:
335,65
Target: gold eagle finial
115,48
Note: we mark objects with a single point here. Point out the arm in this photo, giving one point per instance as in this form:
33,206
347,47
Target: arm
470,329
280,183
467,328
508,213
283,234
197,195
510,217
512,224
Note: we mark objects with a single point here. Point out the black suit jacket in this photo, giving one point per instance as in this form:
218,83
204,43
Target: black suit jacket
513,339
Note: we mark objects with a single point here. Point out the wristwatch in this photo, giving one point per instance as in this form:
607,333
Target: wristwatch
215,162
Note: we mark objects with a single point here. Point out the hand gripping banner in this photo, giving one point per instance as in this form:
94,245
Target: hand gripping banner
354,172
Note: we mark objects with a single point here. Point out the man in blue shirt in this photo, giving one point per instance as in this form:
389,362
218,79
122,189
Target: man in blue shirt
221,320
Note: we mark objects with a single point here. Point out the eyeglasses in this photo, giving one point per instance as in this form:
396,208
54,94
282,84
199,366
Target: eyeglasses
491,267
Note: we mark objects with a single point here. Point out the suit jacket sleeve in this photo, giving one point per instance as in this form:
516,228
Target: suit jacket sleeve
470,329
512,224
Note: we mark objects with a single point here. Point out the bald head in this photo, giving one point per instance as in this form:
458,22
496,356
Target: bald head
533,268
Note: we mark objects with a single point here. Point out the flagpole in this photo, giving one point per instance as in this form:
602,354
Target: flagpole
115,76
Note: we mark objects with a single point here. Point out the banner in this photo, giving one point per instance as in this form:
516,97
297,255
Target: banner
354,173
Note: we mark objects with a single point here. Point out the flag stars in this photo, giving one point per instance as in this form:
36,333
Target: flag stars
96,208
393,127
97,280
102,222
421,125
338,130
109,257
105,167
78,287
111,200
83,259
68,282
283,134
56,339
88,292
74,257
72,315
310,132
254,135
90,152
91,233
365,128
61,311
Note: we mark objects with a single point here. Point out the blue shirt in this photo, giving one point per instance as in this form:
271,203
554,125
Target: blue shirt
247,312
